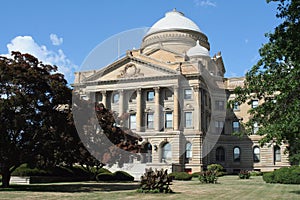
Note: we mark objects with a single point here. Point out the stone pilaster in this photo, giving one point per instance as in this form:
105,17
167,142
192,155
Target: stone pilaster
138,109
104,98
197,113
176,109
157,110
121,102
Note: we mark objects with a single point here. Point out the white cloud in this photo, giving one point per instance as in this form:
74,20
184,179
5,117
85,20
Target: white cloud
56,40
26,44
205,3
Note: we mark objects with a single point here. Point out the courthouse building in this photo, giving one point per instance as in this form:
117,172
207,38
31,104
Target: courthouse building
175,94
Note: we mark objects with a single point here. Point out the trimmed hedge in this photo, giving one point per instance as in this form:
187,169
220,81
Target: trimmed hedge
244,174
284,175
116,176
105,177
208,176
182,176
217,168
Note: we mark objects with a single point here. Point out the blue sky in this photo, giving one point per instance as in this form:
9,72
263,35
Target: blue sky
65,32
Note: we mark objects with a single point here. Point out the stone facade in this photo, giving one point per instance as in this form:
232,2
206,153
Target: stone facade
175,95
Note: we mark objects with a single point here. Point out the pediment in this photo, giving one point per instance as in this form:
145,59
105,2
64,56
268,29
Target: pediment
166,56
130,68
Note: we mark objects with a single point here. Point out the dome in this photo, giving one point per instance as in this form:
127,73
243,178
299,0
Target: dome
174,20
197,50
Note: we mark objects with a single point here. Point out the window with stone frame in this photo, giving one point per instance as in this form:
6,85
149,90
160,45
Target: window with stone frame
236,154
254,103
169,120
150,96
235,126
115,97
166,152
188,93
277,154
188,152
256,154
188,116
150,120
236,106
132,121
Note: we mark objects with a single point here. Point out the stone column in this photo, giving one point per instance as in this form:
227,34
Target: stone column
104,98
197,112
176,109
121,102
138,109
157,110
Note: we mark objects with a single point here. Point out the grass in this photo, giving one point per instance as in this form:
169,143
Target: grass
228,187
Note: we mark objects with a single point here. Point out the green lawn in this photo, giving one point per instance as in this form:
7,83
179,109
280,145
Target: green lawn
229,187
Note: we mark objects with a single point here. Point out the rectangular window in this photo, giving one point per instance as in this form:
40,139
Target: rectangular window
169,120
150,120
219,105
132,121
255,128
188,120
277,154
187,94
236,106
150,96
115,98
219,127
254,103
235,126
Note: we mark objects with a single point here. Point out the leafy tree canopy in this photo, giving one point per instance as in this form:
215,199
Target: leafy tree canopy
30,92
275,81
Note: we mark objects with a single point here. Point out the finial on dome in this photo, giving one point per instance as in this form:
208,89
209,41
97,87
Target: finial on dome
174,10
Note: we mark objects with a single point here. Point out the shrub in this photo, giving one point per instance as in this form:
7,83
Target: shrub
156,181
244,174
183,176
105,177
122,176
256,173
103,170
196,174
284,175
208,176
217,168
24,170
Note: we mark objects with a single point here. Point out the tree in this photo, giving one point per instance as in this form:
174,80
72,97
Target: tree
30,92
275,81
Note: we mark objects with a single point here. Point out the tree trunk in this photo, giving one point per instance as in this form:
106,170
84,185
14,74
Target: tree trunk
5,176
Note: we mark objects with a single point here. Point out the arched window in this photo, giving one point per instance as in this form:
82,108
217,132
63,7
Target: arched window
220,154
166,152
236,154
277,154
256,154
147,150
188,152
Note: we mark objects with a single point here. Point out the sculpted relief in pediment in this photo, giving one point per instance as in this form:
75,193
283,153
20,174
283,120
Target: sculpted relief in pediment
129,71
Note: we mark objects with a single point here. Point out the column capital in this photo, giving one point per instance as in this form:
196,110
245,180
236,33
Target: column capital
103,92
156,89
138,90
121,91
196,88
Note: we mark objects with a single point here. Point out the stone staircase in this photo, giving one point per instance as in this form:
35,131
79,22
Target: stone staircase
20,180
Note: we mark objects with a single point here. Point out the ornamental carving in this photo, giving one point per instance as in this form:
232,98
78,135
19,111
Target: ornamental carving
129,71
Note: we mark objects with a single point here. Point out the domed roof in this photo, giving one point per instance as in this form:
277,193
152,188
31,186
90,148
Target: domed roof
197,50
174,20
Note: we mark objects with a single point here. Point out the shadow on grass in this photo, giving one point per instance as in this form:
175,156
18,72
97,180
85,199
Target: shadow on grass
295,192
74,187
